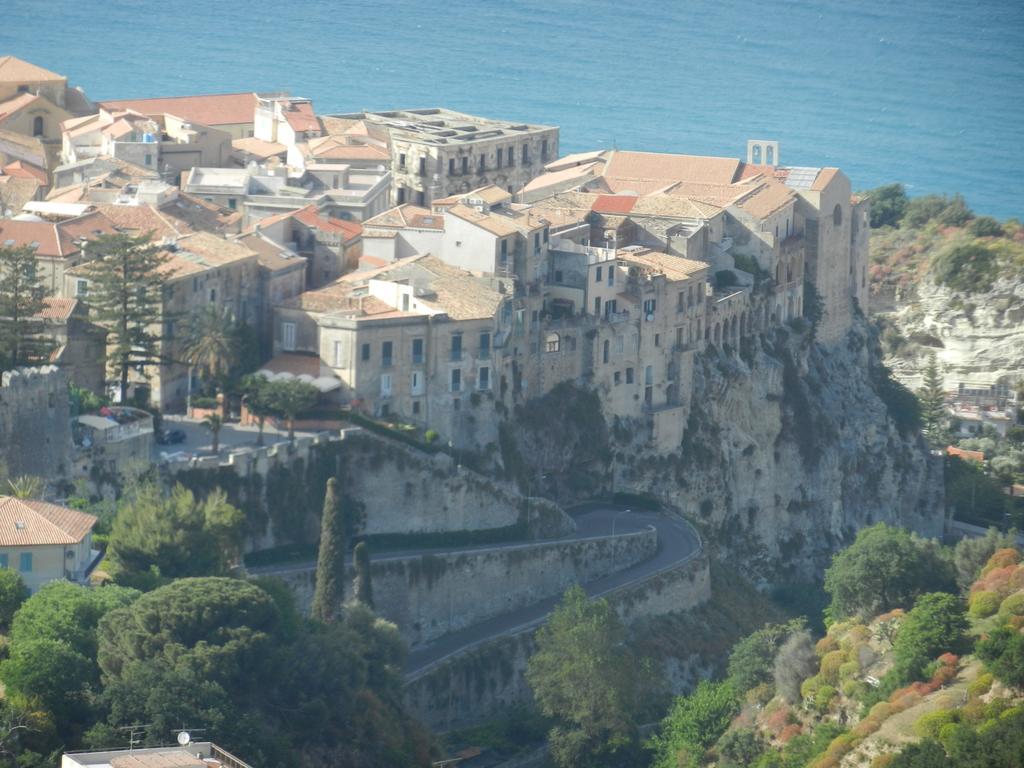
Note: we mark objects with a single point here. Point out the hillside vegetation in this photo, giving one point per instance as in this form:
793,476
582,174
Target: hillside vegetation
939,238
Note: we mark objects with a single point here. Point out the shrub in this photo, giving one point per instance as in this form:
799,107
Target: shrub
430,436
830,664
980,686
827,644
13,593
823,698
984,226
849,670
928,725
809,687
983,604
789,732
1000,559
1013,605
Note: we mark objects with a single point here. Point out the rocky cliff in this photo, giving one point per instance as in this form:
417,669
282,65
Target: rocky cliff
976,337
790,447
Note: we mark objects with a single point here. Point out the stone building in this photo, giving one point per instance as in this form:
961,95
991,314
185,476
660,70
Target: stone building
35,422
438,152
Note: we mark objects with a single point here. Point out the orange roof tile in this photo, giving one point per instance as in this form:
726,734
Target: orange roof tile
57,308
13,106
55,240
211,109
27,523
962,453
15,70
666,167
22,170
300,117
616,204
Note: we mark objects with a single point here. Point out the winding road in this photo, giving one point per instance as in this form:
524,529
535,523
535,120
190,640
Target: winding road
678,543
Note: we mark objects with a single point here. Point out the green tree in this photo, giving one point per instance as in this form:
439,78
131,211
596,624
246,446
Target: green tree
970,554
969,267
214,422
289,399
329,593
974,496
583,675
927,754
921,210
888,204
364,585
932,395
956,213
13,593
126,283
937,624
694,724
256,391
210,345
1003,653
173,535
22,335
740,748
53,642
750,662
985,226
885,568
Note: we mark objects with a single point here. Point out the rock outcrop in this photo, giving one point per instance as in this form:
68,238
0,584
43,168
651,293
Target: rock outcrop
976,338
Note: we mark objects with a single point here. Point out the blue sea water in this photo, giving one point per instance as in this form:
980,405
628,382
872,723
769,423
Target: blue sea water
927,92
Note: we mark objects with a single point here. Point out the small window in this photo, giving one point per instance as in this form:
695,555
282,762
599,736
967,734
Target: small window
405,302
401,161
451,167
483,162
456,381
483,379
415,407
386,349
385,385
837,215
485,345
401,195
149,159
81,287
597,306
457,347
37,126
416,383
552,342
288,336
629,375
597,275
420,199
423,166
605,351
526,154
364,353
25,562
3,560
337,354
499,158
657,339
511,157
232,203
465,165
617,378
417,351
544,150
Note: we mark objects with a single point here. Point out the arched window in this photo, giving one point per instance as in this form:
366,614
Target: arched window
37,126
769,155
552,342
837,215
755,154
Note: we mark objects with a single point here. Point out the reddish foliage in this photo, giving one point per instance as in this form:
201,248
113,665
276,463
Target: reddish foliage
777,721
949,659
789,732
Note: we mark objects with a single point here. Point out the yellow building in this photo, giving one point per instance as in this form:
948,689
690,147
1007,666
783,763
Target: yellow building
45,542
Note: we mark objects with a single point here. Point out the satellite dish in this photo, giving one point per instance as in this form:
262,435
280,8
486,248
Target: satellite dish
184,738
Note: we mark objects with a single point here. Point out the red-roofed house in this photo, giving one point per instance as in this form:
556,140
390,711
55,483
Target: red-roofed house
287,121
331,246
45,542
231,112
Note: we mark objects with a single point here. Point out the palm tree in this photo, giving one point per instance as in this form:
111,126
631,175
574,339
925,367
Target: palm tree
214,422
209,344
25,486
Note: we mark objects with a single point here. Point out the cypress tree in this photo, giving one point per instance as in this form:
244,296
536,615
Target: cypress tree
933,402
127,279
364,588
330,562
22,339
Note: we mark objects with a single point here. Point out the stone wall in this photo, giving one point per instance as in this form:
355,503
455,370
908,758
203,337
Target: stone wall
389,488
480,683
35,422
432,595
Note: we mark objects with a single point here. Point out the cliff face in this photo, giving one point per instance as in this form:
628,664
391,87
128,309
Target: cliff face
788,450
976,337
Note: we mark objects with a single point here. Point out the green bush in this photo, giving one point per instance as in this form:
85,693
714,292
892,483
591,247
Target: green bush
930,724
970,267
980,686
985,226
1013,605
13,593
823,698
983,604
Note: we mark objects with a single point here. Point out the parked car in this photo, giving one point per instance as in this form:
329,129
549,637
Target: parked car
170,436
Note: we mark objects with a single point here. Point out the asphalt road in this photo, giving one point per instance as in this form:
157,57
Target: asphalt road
678,542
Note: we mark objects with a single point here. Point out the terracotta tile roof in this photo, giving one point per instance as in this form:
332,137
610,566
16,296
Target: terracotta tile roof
673,267
335,147
620,204
31,143
458,293
824,178
311,217
300,117
963,453
674,207
579,158
666,167
767,199
566,175
296,364
259,147
55,240
11,107
407,215
56,308
22,170
211,109
502,224
15,70
200,251
342,297
270,255
336,126
489,195
27,523
15,192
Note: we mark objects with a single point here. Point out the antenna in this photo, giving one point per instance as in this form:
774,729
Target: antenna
136,733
